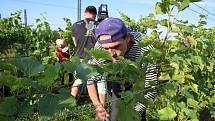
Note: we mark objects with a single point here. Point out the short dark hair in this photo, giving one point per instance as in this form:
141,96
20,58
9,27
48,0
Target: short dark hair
91,9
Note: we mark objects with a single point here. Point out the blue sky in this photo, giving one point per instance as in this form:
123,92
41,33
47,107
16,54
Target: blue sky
55,10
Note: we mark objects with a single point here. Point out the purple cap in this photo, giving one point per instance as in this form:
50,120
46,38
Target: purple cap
113,27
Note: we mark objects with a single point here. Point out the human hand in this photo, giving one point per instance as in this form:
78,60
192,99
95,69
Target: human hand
101,113
65,59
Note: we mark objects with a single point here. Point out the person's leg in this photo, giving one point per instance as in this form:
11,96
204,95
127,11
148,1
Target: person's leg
102,98
62,79
143,116
75,89
115,95
70,77
76,86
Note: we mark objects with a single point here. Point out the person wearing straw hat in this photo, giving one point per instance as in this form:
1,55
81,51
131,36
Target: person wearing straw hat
62,50
62,54
114,37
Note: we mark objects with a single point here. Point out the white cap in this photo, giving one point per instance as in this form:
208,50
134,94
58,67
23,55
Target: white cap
62,43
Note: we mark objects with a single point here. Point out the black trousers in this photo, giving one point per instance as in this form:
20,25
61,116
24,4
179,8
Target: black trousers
62,78
116,89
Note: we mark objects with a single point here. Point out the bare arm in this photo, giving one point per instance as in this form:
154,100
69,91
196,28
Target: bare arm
101,85
98,100
74,41
93,94
101,113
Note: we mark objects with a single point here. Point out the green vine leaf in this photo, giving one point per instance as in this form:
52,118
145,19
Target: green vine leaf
158,9
29,66
184,5
166,113
51,104
192,103
102,54
192,41
50,75
85,71
8,106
